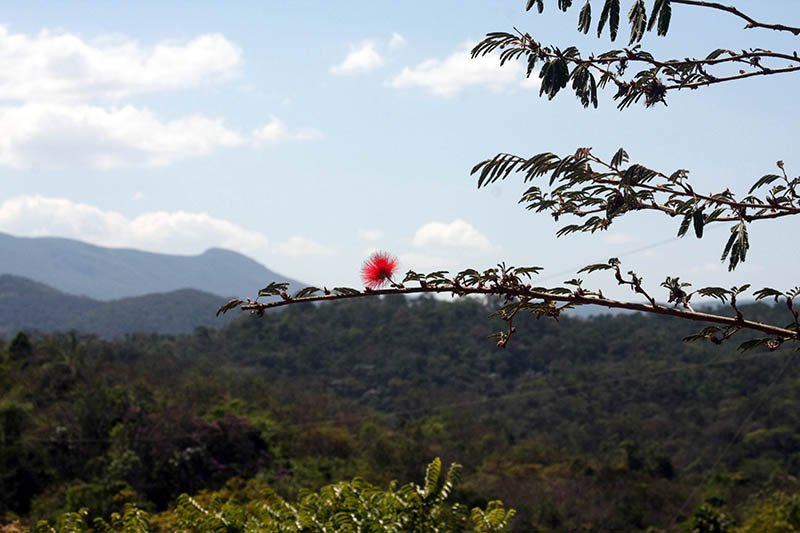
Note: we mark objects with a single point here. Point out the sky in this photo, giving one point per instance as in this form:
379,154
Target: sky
308,134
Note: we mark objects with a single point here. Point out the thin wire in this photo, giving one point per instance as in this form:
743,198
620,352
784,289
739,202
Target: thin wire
635,251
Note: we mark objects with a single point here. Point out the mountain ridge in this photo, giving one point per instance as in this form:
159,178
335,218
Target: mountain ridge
101,273
29,305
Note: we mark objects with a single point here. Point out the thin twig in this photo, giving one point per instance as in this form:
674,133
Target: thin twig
751,22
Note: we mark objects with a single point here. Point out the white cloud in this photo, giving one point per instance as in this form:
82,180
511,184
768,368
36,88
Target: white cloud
450,75
366,234
275,130
363,58
178,232
456,234
56,135
300,246
396,41
63,66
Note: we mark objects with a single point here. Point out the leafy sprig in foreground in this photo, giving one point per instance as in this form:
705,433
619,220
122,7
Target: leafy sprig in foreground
635,73
515,286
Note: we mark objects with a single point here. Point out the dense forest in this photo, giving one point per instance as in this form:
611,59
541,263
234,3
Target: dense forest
608,423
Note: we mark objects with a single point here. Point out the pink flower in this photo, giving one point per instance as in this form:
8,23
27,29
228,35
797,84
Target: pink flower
378,270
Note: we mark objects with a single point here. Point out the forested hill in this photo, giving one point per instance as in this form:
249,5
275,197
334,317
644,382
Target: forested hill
102,273
32,306
602,424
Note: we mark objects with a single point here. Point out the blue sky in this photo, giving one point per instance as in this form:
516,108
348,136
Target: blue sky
307,134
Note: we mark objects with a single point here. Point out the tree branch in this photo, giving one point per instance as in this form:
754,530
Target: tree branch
751,23
545,296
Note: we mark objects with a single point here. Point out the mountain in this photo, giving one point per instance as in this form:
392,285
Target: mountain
106,274
30,305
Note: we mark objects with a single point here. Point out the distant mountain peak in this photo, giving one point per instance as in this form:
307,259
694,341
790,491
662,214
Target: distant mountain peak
105,273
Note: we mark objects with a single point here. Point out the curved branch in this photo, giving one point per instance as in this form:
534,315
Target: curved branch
712,81
751,22
526,293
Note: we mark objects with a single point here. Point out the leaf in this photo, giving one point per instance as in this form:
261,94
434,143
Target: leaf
432,477
699,222
764,180
345,291
754,343
585,17
739,290
609,14
708,333
563,5
307,291
737,246
527,271
413,276
684,227
664,17
766,292
595,267
719,293
273,289
231,304
662,11
620,157
637,16
539,5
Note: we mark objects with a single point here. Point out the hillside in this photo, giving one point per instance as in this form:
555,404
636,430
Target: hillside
30,305
79,268
605,424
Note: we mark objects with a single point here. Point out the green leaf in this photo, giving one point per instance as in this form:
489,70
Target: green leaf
307,291
737,246
684,227
273,289
767,292
699,223
708,333
231,304
609,14
664,17
527,271
539,5
619,158
637,16
595,267
585,17
719,293
345,291
764,180
432,477
662,11
754,343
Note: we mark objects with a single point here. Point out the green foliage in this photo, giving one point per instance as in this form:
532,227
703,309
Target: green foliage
709,519
306,398
655,77
778,513
351,506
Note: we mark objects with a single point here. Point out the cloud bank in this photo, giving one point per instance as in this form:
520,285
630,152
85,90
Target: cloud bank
172,232
448,76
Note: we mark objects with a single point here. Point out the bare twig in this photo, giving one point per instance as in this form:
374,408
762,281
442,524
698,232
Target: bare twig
751,22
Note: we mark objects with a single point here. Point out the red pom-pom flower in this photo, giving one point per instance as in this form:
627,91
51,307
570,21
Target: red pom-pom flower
378,270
